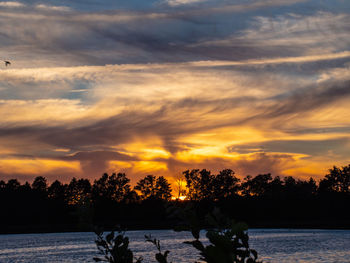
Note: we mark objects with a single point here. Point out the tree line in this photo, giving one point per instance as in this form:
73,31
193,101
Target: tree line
111,198
195,185
114,187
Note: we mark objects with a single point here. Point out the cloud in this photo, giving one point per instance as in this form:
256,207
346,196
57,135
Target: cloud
53,8
168,88
95,162
307,147
182,2
253,164
78,38
10,4
28,169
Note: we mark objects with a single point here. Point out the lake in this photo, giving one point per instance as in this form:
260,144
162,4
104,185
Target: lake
273,245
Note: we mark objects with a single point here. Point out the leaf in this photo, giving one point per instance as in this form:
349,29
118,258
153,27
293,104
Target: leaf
160,258
110,237
148,238
255,254
195,233
198,245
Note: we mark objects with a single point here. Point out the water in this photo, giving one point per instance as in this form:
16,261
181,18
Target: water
273,245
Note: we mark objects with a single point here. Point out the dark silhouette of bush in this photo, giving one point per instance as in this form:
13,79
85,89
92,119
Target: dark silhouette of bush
228,240
160,257
114,248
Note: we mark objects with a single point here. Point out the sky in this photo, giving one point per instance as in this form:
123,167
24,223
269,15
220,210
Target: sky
162,86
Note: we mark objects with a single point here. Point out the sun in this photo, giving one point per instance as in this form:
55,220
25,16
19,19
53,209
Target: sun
180,198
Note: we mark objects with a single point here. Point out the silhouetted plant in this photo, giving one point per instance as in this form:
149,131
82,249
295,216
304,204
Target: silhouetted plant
228,239
160,257
114,248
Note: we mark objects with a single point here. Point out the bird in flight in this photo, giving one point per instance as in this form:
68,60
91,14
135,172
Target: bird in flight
7,63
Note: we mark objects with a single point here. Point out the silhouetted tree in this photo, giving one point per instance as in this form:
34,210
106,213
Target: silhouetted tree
147,187
12,185
338,180
78,191
163,188
256,185
39,184
199,184
26,187
275,187
290,186
115,187
180,188
151,187
305,188
56,191
225,184
2,184
111,199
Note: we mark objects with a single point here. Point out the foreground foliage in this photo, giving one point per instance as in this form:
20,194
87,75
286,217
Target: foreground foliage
228,240
114,248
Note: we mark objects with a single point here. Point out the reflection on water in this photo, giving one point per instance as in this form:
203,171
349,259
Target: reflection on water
273,245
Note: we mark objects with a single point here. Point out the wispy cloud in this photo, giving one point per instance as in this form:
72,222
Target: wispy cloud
182,2
53,8
11,4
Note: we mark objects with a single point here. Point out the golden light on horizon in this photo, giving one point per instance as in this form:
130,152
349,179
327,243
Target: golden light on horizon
180,198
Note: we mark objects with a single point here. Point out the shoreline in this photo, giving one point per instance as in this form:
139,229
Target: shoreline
52,230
